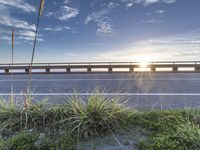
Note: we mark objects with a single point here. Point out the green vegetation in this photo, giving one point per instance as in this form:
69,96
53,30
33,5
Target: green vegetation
90,123
172,129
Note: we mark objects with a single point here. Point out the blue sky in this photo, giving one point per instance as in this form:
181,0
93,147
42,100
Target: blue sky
101,30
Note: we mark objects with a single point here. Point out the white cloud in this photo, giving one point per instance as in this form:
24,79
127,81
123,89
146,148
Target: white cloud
57,29
104,27
24,35
73,55
112,5
67,13
152,21
23,30
30,39
11,22
49,14
21,4
28,35
130,3
184,46
64,13
148,2
103,20
5,38
160,12
169,1
66,1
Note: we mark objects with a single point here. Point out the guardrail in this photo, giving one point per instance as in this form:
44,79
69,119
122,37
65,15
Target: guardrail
110,67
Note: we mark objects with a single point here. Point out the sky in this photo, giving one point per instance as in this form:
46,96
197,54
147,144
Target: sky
101,30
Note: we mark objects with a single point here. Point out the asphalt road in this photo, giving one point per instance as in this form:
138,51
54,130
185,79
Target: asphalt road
141,90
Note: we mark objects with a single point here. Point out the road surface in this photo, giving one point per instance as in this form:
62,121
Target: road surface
139,90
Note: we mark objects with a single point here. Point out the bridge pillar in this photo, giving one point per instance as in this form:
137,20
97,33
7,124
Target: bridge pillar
153,69
47,70
68,69
197,69
6,70
131,69
89,69
110,69
174,69
27,70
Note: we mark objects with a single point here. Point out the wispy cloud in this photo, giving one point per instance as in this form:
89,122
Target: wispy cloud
67,13
169,1
5,38
28,35
21,36
103,21
104,27
9,21
24,29
130,3
64,13
66,1
20,4
57,29
152,21
160,12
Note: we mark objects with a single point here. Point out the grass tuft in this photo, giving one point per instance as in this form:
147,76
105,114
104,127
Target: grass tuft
98,115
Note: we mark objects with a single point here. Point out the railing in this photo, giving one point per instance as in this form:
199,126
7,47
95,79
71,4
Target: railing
89,66
103,63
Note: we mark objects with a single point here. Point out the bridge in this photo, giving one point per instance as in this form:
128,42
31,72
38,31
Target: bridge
100,67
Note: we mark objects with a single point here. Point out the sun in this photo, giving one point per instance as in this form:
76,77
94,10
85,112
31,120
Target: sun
143,64
144,61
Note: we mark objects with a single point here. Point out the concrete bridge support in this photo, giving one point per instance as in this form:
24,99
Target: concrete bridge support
197,69
175,69
89,69
27,70
6,71
131,69
110,69
68,69
47,70
153,69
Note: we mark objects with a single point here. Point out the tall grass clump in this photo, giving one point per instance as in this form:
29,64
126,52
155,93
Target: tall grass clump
19,117
93,116
96,116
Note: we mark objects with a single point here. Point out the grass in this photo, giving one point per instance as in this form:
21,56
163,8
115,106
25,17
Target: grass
77,118
96,123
